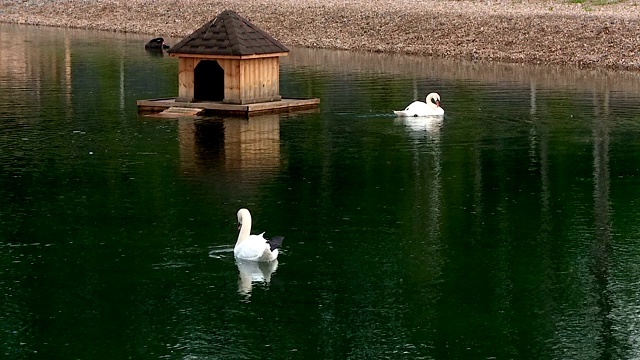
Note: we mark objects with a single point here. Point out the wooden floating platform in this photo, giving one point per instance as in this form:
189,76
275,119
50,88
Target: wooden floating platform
169,107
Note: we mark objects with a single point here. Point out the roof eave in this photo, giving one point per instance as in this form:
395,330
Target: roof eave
232,57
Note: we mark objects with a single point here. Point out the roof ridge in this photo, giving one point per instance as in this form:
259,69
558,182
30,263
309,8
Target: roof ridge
232,31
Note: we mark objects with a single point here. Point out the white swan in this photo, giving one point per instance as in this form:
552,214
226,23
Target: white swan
254,247
418,108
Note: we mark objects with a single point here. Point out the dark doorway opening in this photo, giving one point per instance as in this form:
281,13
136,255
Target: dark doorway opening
208,81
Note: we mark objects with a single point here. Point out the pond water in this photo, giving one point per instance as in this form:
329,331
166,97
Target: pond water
508,230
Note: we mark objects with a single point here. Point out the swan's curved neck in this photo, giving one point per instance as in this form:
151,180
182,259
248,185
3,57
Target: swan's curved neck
245,227
430,101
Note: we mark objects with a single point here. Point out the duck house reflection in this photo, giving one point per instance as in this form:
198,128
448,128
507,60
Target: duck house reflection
230,144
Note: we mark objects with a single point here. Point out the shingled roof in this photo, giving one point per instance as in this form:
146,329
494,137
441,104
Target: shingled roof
228,34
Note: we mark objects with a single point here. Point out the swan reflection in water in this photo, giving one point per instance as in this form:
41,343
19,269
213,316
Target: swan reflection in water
429,124
253,272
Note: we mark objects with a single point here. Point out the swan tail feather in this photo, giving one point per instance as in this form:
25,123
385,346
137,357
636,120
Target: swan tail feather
275,242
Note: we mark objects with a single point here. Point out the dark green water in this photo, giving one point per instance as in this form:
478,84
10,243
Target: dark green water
510,230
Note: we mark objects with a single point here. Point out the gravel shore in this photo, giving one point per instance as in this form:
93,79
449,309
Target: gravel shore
586,35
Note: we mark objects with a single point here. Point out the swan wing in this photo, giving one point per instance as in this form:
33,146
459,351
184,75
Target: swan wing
416,108
437,111
254,248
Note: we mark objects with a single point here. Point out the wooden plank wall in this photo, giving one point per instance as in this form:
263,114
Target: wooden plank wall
260,79
245,81
231,69
186,85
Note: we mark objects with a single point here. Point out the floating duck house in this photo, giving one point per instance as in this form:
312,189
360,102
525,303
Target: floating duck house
229,66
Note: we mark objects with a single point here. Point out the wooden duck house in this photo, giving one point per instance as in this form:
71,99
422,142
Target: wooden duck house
229,60
228,66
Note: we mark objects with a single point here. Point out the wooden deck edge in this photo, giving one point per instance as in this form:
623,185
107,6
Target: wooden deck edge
151,106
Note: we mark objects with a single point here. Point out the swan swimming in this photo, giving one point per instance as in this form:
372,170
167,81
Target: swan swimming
254,247
418,108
